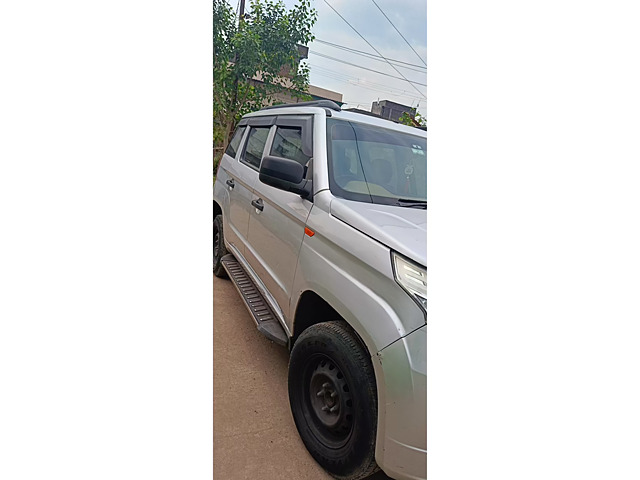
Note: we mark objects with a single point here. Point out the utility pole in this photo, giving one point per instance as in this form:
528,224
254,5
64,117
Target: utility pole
235,77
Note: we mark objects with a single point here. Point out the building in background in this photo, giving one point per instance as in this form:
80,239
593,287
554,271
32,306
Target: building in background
316,93
391,110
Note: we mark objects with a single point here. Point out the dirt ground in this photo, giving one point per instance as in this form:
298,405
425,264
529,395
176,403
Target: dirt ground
254,436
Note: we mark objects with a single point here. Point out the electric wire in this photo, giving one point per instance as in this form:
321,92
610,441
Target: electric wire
358,79
399,32
408,98
379,92
365,54
401,66
376,50
371,70
357,82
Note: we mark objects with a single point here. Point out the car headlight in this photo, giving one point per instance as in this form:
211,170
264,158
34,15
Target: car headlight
412,277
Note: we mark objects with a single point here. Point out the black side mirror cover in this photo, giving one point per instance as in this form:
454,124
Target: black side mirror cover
285,174
282,169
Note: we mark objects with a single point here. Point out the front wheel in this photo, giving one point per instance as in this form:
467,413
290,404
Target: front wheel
332,392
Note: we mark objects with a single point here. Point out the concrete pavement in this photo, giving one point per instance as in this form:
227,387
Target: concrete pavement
254,436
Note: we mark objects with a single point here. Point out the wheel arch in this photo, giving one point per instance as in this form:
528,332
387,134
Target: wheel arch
313,309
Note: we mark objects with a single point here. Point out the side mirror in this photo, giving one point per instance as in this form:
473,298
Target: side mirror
286,175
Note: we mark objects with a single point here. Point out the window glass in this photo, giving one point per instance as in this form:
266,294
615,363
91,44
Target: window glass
287,143
255,146
235,142
378,165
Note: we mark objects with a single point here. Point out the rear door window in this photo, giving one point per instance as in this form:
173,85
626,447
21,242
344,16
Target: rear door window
255,146
235,142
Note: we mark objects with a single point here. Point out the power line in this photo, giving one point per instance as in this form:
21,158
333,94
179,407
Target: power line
387,91
366,84
376,50
370,55
399,32
359,80
381,60
367,87
371,70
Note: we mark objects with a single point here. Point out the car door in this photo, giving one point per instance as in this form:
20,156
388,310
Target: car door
242,176
225,190
276,225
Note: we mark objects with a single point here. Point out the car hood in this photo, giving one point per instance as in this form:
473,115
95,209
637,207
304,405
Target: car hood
402,229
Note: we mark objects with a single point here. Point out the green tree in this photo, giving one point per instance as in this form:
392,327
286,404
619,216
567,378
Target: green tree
415,120
261,45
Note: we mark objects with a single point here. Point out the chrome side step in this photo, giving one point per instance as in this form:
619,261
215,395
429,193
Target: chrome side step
265,319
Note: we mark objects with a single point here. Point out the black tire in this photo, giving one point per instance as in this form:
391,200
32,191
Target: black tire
219,250
333,397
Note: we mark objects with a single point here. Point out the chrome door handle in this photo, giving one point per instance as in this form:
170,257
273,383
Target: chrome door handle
231,183
258,204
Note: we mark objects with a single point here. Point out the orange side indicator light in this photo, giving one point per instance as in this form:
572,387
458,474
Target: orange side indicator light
309,232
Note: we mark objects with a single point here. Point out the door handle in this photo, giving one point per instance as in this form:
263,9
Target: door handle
231,183
258,204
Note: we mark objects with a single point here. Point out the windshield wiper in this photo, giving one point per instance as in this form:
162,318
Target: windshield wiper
408,202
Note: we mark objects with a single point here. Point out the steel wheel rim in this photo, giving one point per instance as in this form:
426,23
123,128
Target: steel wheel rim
328,402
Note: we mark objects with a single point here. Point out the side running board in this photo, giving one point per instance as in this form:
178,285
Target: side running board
260,310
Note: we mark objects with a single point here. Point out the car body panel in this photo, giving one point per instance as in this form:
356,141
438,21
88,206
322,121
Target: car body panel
403,229
401,450
348,263
275,236
276,231
236,201
353,273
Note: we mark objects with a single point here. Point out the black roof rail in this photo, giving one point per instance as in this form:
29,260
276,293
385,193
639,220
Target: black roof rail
316,103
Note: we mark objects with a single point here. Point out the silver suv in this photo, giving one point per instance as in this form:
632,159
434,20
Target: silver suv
320,221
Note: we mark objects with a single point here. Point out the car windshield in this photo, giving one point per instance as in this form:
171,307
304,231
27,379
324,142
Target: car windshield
376,165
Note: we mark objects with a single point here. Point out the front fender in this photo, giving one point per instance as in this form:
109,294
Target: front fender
353,273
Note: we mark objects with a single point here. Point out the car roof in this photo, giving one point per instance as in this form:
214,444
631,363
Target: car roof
320,108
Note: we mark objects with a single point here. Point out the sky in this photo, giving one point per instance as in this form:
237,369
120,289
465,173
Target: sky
360,87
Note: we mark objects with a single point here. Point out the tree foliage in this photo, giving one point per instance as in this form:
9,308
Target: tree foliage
415,120
258,46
